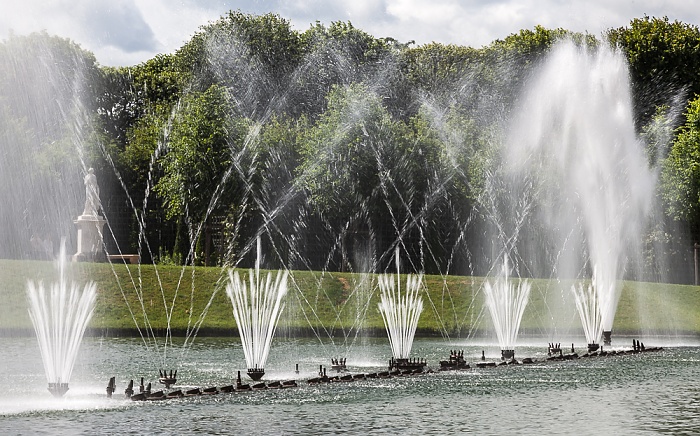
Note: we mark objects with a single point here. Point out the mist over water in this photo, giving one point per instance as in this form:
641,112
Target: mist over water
592,185
44,125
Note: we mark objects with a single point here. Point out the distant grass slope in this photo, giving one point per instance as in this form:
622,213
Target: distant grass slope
331,303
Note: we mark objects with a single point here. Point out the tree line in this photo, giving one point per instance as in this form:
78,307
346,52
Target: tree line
334,145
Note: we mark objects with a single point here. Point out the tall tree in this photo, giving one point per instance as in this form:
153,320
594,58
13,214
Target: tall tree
200,147
664,59
680,177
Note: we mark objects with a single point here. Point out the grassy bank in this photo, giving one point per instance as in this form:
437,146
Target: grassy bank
331,302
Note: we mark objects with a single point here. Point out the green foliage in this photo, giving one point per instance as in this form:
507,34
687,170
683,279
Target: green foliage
529,45
452,303
269,39
347,152
200,145
336,55
664,57
680,177
437,67
250,110
361,47
251,55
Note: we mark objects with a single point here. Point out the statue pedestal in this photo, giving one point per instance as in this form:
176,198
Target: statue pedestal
90,247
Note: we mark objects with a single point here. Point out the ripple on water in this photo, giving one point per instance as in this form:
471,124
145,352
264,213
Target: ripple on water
657,392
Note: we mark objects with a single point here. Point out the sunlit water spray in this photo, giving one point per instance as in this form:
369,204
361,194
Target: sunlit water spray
588,305
400,309
506,302
60,314
257,308
575,134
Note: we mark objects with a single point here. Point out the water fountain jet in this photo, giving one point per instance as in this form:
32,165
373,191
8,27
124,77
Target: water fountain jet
400,312
257,308
506,303
575,135
60,314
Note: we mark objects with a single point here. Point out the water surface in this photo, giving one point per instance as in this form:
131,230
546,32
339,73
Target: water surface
649,393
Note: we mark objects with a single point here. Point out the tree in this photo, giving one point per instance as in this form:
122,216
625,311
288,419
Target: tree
336,55
252,55
364,171
47,104
195,185
664,59
130,93
680,177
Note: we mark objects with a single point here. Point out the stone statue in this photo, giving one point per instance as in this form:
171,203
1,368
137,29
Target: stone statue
92,194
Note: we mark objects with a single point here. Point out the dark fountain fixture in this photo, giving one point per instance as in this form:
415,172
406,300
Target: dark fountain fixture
111,387
507,354
239,384
554,349
256,373
58,389
167,380
339,365
407,364
592,348
456,361
129,391
607,337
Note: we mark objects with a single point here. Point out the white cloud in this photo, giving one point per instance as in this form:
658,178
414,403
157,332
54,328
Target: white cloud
127,32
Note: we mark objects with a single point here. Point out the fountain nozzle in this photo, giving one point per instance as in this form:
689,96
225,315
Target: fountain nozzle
607,337
167,380
256,373
507,354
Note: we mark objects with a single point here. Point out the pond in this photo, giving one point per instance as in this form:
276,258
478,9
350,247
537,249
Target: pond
654,392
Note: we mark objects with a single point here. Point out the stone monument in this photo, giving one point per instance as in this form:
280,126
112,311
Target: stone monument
90,223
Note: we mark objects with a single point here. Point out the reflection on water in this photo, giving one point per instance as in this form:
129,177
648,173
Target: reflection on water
649,393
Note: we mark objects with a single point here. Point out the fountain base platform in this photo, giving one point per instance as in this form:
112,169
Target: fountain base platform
455,362
256,373
407,364
58,389
507,354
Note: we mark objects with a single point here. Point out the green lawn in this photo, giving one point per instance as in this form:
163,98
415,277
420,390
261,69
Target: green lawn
332,302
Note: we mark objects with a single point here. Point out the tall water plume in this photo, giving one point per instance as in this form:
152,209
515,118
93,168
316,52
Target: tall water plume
46,101
574,135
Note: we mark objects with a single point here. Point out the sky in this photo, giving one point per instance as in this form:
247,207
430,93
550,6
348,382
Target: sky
128,32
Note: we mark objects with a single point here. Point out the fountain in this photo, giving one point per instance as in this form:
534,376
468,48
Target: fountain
589,311
60,315
575,135
257,308
400,312
396,201
506,303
